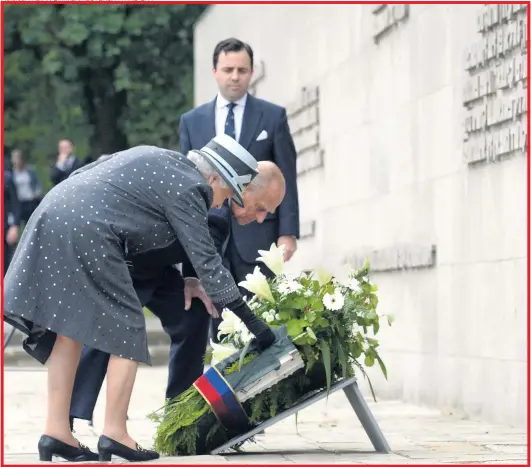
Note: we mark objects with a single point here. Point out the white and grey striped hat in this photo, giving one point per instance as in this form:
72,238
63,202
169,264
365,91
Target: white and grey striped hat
233,162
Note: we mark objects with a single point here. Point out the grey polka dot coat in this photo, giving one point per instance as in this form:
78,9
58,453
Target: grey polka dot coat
69,275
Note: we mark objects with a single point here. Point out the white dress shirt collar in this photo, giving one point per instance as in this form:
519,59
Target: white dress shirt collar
221,102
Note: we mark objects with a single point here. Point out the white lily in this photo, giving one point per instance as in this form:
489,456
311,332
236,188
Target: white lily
221,351
257,284
229,323
273,258
323,276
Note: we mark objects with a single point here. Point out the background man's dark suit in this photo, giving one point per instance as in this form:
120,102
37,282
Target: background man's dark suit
12,212
197,127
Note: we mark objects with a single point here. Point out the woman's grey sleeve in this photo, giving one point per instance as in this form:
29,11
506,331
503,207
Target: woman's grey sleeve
188,217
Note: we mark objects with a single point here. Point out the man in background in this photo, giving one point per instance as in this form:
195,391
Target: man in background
11,217
27,183
66,162
262,128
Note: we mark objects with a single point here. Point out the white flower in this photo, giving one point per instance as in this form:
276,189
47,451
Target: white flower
288,287
221,351
239,327
228,325
270,319
245,336
257,284
333,301
354,285
294,286
254,303
277,317
322,276
273,259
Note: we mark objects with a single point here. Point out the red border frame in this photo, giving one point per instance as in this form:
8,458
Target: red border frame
276,2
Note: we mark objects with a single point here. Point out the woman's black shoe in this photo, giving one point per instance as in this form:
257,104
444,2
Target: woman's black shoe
107,448
49,447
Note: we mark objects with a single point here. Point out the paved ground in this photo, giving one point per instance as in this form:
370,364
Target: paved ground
328,432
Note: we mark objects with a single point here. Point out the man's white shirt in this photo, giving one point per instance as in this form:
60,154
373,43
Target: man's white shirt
222,111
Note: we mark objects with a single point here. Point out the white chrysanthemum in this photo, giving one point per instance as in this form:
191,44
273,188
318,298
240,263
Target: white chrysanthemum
270,319
283,288
277,317
333,301
289,286
294,286
354,285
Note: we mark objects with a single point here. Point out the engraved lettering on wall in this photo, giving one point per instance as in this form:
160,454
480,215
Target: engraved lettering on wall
303,119
495,91
395,258
386,18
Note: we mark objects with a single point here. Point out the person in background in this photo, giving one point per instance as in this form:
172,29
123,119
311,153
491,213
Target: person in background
262,128
66,162
11,217
27,184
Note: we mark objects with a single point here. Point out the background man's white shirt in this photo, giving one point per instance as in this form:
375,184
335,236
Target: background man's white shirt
222,111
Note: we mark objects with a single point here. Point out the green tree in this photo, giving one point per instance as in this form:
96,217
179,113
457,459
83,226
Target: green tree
105,76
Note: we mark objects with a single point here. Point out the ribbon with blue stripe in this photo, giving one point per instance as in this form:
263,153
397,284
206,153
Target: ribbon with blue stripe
222,400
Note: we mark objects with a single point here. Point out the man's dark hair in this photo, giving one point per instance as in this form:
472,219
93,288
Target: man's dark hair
231,45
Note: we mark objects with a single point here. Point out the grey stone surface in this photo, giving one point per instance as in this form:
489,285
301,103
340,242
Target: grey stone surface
327,432
391,127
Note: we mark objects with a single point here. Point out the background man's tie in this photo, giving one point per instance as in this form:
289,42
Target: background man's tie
230,128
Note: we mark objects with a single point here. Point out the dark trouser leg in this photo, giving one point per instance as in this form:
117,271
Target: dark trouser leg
8,253
87,385
27,208
188,331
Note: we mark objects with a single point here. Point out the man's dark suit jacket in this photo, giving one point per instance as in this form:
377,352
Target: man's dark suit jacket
197,127
11,202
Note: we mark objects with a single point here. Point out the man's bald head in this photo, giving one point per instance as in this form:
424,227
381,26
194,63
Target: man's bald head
262,195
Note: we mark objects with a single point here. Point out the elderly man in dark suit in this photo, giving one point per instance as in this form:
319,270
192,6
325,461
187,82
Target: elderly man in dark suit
262,128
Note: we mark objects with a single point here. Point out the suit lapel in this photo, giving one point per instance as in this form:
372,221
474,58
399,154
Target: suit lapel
251,118
208,122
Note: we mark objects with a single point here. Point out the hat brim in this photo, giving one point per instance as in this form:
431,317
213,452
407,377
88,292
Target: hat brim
237,193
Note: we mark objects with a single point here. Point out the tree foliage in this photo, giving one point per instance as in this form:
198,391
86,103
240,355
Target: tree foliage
105,76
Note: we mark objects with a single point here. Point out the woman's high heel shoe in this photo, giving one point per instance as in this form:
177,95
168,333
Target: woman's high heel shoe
49,447
107,448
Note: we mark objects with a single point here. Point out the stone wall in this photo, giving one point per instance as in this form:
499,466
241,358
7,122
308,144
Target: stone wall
410,124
